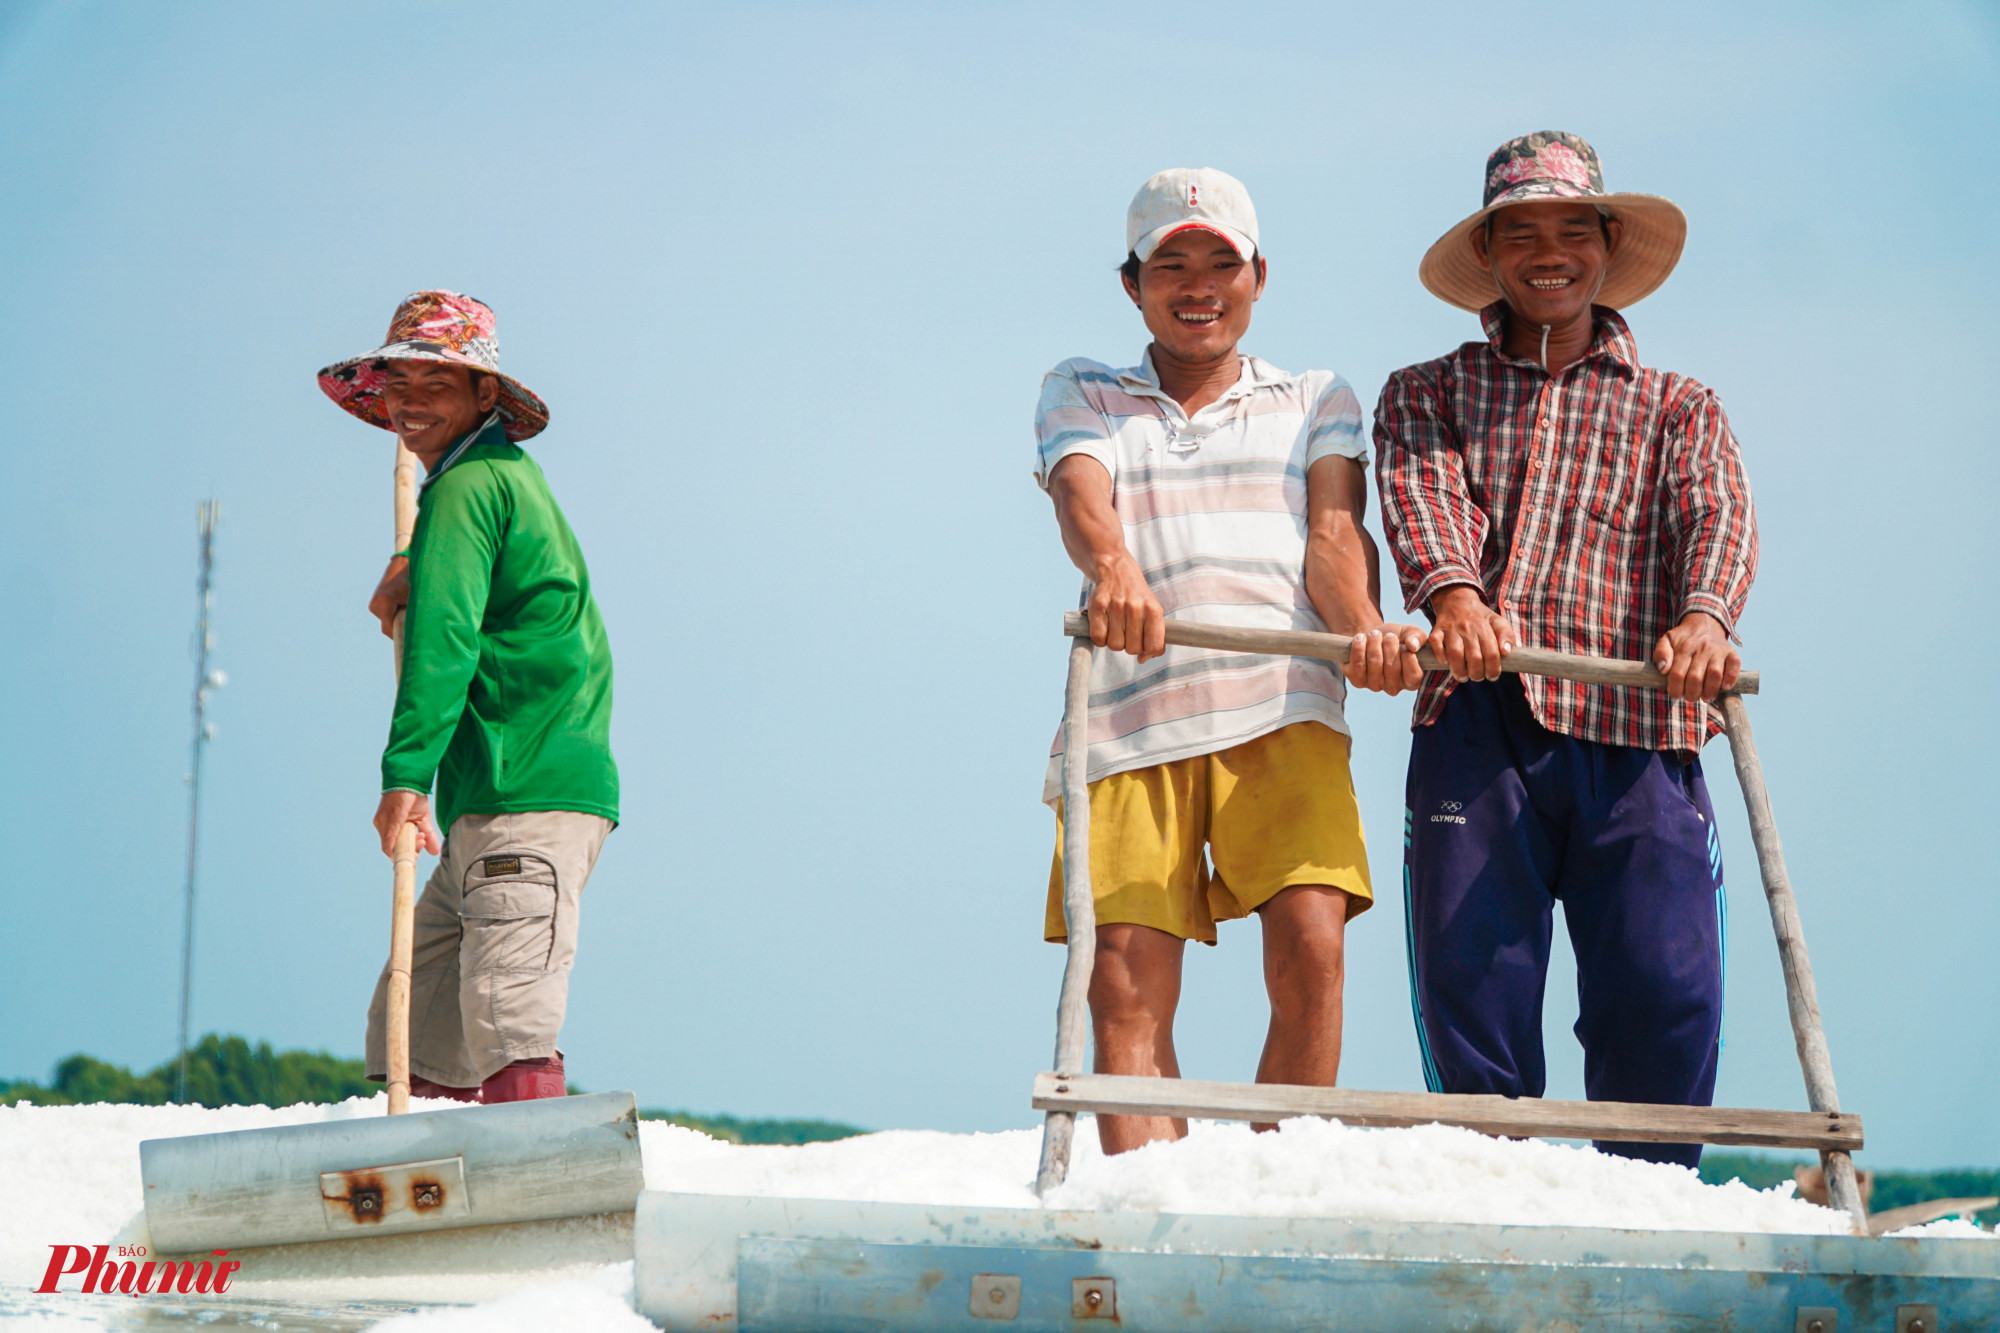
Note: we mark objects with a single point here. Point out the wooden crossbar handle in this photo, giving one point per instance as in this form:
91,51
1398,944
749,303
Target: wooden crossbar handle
1334,648
1513,1117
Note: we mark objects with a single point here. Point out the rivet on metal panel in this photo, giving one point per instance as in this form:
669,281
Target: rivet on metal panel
996,1296
429,1194
1817,1319
1093,1298
1916,1319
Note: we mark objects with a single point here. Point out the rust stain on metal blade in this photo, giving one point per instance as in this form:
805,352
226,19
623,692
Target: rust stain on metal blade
405,1193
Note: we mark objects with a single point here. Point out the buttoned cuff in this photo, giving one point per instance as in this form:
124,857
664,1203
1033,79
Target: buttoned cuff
1444,576
1714,606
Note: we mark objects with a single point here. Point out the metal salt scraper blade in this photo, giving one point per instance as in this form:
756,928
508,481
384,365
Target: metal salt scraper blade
386,1175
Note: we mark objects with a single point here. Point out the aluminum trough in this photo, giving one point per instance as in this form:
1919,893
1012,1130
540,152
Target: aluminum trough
387,1175
718,1263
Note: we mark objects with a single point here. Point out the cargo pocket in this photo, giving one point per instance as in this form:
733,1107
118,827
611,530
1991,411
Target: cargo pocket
509,911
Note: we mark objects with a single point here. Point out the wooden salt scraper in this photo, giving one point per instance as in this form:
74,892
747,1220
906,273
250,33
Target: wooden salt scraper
1068,1090
707,1263
432,1171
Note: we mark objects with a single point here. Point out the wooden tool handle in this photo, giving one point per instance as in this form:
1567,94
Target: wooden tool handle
406,497
402,931
1079,914
403,903
406,530
1334,648
1801,996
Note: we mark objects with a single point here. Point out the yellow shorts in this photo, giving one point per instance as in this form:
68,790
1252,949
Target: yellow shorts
1275,811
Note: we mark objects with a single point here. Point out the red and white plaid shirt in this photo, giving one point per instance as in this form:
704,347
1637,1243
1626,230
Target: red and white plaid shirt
1594,509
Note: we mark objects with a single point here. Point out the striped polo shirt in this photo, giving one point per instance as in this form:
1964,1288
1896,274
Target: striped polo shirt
1214,511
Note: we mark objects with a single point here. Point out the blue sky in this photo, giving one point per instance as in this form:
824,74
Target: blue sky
788,276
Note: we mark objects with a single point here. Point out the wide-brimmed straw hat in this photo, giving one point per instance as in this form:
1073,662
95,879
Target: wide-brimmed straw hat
1551,165
435,326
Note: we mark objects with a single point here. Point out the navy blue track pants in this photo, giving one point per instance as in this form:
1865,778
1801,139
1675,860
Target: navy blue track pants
1506,817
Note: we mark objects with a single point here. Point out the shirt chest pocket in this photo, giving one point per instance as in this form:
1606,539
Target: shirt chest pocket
1608,486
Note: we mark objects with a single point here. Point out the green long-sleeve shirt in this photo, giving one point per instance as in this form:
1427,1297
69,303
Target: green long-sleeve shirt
505,697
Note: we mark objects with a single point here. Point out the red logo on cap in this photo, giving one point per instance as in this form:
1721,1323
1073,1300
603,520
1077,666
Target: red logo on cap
1191,196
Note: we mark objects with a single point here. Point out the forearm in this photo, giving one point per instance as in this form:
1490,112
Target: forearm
1344,574
1092,534
1124,613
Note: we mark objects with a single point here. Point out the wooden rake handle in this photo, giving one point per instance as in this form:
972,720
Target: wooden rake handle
402,935
403,901
1335,648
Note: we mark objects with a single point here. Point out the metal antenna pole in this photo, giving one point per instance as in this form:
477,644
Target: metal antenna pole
206,517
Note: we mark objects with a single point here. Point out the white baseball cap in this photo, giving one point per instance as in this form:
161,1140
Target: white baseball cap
1183,197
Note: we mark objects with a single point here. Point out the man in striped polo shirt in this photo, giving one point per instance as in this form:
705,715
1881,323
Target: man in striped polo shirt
1541,486
1208,484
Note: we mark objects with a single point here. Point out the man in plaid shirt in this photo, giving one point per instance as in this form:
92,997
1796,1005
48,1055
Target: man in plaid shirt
1542,487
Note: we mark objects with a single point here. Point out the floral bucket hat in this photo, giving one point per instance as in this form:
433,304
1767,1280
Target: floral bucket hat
434,326
1552,165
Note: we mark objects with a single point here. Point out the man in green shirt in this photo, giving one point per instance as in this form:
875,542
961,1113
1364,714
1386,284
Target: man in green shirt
504,702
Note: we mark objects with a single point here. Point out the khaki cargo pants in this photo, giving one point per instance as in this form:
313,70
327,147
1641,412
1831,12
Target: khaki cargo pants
495,940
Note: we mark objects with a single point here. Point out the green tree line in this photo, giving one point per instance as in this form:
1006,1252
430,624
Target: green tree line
222,1071
1893,1189
229,1071
758,1131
